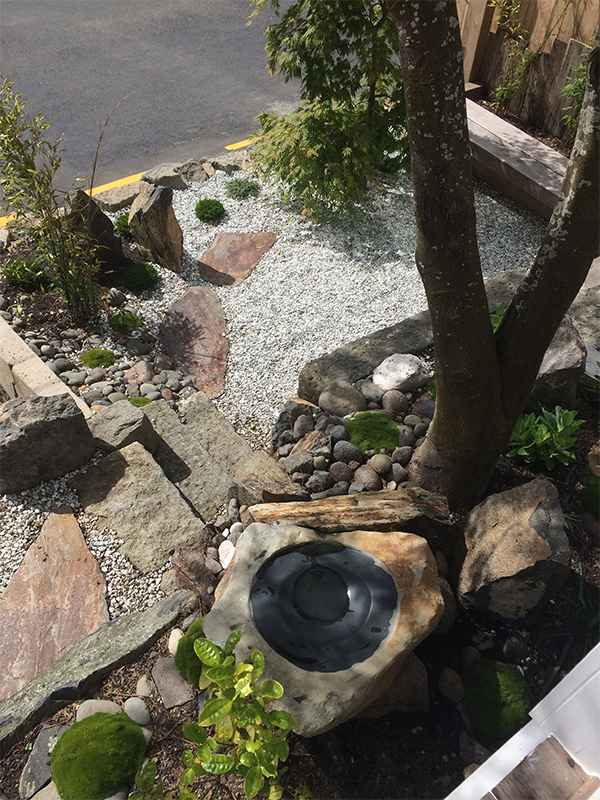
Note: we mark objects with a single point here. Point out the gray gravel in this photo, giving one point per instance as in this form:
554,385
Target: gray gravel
318,287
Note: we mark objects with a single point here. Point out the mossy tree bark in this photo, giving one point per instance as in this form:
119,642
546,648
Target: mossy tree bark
483,380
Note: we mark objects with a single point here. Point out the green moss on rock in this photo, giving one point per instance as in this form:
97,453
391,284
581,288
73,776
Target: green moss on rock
97,756
186,660
371,431
98,358
125,322
497,698
138,402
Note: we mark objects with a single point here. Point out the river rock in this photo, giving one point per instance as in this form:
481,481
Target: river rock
341,398
401,371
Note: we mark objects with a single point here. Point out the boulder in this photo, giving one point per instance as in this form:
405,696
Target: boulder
84,210
412,510
408,693
194,334
55,599
168,175
129,492
402,372
154,227
119,197
121,424
261,480
321,700
232,256
41,438
341,398
517,553
562,367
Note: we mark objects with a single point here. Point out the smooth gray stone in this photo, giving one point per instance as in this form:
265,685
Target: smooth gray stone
114,644
36,773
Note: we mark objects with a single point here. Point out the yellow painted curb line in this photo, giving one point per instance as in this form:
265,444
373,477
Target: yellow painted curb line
5,220
244,143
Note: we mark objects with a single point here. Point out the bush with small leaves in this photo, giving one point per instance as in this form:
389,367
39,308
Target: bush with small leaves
242,188
125,322
141,276
122,226
98,358
97,756
210,210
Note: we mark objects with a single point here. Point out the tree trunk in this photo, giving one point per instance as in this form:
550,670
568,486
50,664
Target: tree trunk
483,382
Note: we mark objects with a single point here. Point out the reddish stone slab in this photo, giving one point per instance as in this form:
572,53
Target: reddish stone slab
54,600
232,257
194,333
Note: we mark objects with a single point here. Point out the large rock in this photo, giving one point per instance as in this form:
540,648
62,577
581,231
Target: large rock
400,371
412,510
562,367
261,480
194,334
119,197
121,424
82,668
154,227
408,693
41,438
86,212
321,700
168,175
517,553
186,463
232,256
129,492
55,599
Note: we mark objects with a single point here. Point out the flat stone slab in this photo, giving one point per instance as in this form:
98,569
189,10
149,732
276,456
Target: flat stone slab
132,495
36,774
55,599
119,197
173,689
232,256
187,463
194,333
84,665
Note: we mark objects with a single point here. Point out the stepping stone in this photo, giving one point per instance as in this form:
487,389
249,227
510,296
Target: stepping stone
173,689
131,495
55,599
186,463
194,334
232,257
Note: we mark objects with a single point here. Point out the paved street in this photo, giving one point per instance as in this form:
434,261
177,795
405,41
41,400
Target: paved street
194,73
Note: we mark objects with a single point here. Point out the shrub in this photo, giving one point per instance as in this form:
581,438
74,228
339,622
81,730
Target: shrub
497,698
371,431
29,274
98,358
242,188
125,322
138,402
546,437
141,276
97,756
122,225
209,210
186,660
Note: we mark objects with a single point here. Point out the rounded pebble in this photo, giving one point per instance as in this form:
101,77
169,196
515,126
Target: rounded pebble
137,710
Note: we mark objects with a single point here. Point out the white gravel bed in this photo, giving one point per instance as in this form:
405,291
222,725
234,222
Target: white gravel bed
319,287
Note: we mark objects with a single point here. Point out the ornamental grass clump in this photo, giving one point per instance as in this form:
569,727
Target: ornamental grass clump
141,276
98,358
372,431
210,210
97,756
497,698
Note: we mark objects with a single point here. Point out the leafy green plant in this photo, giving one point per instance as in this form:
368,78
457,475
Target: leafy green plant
96,756
28,165
547,436
209,210
138,402
141,276
498,698
372,431
574,91
186,660
242,188
122,225
496,316
125,321
30,274
98,358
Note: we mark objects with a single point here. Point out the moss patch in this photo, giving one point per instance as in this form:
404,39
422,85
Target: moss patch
186,660
98,358
97,756
372,431
497,698
139,401
125,322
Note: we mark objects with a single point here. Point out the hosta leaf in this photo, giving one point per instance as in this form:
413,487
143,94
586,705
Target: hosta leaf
218,764
214,710
207,652
253,782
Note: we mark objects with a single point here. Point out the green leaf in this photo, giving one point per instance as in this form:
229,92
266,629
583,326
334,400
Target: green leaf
270,689
218,764
144,779
214,710
248,759
275,792
253,782
222,676
188,776
204,752
194,733
224,729
282,719
232,641
187,757
208,652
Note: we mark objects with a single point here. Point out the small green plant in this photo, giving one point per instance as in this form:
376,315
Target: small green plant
125,322
186,660
97,756
141,276
496,316
209,210
98,358
242,188
497,698
372,431
139,401
574,91
122,225
548,436
30,274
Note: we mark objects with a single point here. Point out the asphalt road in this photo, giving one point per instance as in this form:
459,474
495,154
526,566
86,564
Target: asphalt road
192,74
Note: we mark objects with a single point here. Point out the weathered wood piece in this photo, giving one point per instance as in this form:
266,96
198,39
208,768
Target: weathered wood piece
411,510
